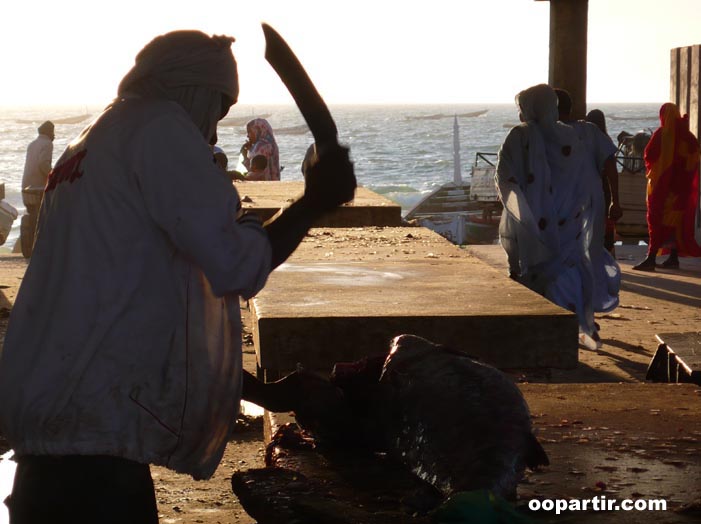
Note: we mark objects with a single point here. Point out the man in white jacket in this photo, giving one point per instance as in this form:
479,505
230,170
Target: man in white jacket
124,345
38,160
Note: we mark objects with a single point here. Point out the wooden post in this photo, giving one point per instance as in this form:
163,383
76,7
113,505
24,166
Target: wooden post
568,51
685,83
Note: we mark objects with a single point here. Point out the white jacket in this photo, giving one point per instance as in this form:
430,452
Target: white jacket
38,161
125,335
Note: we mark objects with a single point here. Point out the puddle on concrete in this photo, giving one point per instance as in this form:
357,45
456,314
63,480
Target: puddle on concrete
342,275
7,475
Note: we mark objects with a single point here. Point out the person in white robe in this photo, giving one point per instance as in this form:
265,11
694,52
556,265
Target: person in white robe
546,185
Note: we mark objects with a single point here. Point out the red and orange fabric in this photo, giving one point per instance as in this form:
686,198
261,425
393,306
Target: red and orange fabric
672,162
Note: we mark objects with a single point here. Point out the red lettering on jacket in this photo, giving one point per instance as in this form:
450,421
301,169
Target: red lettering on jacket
66,171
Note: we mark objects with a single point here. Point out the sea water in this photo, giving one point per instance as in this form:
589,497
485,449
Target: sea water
400,151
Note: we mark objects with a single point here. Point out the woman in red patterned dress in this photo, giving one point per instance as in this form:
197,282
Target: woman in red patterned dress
672,162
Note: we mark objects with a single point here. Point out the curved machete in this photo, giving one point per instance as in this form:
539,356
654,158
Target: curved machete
308,100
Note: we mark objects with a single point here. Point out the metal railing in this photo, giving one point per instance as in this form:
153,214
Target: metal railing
483,157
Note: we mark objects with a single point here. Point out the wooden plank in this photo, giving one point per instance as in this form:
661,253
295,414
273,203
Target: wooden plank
683,352
684,77
632,191
674,76
695,91
685,83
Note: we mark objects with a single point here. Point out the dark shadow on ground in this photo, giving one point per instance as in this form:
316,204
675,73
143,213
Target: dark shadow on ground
632,348
583,373
636,369
658,287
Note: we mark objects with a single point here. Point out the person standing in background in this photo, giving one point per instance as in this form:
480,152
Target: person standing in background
218,155
597,117
599,171
37,167
37,164
672,163
261,141
545,181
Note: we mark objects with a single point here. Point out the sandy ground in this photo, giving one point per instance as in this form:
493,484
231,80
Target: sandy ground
664,301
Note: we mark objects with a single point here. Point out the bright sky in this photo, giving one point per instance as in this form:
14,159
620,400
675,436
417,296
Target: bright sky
364,51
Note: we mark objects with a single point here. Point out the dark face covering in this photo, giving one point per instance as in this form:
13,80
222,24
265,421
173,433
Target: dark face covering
191,68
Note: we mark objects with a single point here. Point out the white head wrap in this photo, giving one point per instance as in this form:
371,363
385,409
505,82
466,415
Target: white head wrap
546,220
190,68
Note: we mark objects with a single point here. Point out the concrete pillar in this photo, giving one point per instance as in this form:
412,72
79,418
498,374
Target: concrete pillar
568,50
685,84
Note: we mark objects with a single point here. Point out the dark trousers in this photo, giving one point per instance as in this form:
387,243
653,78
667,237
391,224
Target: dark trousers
82,490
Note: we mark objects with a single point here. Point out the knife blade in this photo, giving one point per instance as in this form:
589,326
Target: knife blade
308,100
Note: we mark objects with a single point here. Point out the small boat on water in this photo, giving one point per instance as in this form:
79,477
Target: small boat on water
632,117
464,212
292,130
233,121
437,116
77,119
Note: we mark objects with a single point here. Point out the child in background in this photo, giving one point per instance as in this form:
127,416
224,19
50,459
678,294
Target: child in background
256,171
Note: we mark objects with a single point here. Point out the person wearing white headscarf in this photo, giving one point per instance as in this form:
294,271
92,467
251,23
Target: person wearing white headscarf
124,347
546,225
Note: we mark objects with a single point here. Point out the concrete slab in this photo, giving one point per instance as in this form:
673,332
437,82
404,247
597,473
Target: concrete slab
376,243
367,209
317,309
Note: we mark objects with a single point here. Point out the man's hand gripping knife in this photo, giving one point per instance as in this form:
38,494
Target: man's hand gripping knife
329,183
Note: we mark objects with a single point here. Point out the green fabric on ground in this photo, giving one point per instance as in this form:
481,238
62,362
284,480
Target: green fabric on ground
480,506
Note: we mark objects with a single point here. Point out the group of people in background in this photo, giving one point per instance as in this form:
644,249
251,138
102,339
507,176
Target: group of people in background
558,182
260,153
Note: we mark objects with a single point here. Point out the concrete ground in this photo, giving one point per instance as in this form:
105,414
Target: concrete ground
607,432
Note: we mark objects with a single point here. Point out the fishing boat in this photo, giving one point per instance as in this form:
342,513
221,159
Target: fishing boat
234,121
437,116
292,130
453,210
66,120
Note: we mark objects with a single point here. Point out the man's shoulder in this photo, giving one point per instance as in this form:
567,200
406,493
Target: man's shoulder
591,132
518,132
142,115
149,109
39,143
585,128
